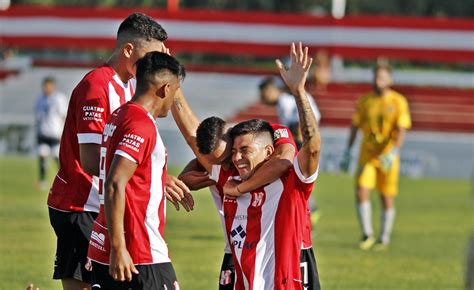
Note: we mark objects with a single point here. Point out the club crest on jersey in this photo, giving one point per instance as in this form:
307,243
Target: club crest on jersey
225,278
280,133
109,131
97,241
257,199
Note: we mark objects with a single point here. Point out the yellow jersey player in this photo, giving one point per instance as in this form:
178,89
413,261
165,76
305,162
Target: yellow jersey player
383,117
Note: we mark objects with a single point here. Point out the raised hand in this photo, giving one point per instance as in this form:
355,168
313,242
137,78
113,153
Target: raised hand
295,76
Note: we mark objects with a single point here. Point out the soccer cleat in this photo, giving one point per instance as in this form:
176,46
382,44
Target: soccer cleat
379,247
367,243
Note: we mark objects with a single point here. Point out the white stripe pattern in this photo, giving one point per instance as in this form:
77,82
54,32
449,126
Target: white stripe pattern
243,203
265,259
238,32
159,250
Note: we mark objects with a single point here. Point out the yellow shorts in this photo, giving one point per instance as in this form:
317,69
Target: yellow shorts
370,175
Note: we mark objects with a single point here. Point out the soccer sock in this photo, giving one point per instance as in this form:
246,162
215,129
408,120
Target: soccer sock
42,168
387,219
364,211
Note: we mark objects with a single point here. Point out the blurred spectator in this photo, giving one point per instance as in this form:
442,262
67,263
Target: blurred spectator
273,92
322,69
50,114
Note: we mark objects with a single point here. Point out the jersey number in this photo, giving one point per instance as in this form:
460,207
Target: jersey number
304,272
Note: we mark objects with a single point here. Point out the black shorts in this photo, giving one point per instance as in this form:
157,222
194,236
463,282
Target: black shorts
227,275
156,276
73,230
51,142
309,270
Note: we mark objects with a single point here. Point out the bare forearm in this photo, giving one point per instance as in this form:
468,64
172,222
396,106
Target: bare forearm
308,124
185,118
193,165
352,136
279,163
114,213
187,123
267,173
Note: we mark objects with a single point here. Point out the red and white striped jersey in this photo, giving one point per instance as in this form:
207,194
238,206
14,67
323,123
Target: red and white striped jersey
96,96
282,135
132,133
265,230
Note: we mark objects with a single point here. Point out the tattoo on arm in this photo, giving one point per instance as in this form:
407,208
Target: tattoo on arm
308,124
177,103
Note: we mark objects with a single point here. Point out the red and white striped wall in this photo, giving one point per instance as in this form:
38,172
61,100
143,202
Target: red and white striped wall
236,33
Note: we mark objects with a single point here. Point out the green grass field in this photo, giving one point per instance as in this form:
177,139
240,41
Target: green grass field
434,220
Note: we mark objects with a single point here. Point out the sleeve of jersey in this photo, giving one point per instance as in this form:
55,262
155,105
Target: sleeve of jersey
215,172
306,180
91,108
136,143
282,135
404,119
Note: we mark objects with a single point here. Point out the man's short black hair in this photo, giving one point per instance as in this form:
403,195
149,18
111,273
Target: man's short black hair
208,134
156,62
268,81
253,126
49,79
142,26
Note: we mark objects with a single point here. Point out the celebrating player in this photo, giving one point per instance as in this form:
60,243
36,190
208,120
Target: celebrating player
259,273
73,199
383,117
265,226
128,233
212,146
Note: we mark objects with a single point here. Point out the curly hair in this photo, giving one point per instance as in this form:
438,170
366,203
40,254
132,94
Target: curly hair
208,134
139,25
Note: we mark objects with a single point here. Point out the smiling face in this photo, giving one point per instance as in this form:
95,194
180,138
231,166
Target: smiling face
249,151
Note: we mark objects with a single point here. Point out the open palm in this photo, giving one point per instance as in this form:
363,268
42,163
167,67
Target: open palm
295,76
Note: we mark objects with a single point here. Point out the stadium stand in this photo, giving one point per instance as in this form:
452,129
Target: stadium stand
433,109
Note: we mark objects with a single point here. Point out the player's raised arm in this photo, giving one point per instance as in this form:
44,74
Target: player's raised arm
295,79
188,123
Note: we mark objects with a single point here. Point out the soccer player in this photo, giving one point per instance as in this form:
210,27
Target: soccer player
213,142
383,117
50,113
127,238
212,146
73,199
265,226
